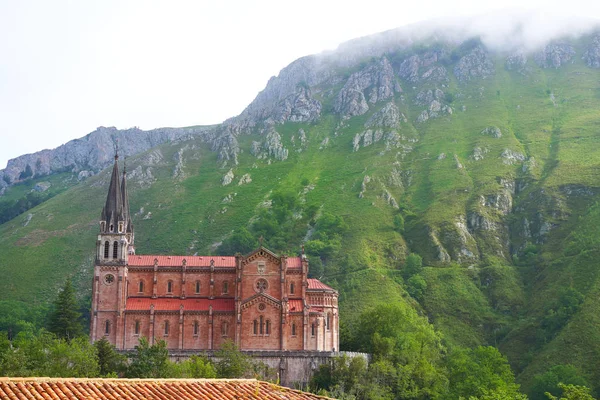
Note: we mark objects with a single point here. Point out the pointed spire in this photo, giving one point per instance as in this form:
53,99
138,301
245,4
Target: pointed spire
125,201
112,212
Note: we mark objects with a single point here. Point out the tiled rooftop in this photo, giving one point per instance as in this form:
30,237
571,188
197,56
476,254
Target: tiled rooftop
317,284
177,261
296,305
294,262
150,389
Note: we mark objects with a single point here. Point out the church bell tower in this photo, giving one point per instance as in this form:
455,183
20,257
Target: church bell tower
116,239
114,245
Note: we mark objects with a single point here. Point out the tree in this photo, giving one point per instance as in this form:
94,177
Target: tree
549,381
399,223
397,334
65,319
241,241
414,265
416,286
481,373
232,362
110,362
149,361
75,358
572,392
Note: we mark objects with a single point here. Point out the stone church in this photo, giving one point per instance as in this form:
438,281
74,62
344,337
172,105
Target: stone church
260,301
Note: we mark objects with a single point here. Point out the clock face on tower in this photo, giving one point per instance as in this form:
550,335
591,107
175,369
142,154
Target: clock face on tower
109,279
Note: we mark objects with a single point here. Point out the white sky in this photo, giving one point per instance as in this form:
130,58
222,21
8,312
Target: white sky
67,67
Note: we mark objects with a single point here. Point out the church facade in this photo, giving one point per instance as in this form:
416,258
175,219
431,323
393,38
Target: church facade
260,301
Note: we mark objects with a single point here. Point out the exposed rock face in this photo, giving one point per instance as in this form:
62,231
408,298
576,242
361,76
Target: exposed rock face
555,55
516,62
224,141
287,96
93,152
298,107
227,178
42,186
391,139
479,153
433,100
510,157
370,85
271,146
387,117
426,97
363,186
245,179
592,54
178,169
387,196
421,68
475,64
142,176
492,131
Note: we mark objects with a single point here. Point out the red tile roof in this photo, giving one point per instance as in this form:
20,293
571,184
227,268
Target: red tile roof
296,305
177,261
150,389
294,262
317,284
162,304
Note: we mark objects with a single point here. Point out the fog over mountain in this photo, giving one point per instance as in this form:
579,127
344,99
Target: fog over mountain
505,32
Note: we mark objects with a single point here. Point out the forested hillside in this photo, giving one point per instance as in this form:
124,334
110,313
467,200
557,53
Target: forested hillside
455,181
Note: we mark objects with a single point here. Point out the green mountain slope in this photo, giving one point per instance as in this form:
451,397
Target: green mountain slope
494,172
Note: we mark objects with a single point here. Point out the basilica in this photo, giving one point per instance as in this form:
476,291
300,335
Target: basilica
260,301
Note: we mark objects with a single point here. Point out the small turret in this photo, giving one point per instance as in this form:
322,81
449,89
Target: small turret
127,213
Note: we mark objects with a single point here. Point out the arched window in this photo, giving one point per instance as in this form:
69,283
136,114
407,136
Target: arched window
224,329
137,327
292,288
293,329
225,287
115,249
268,327
197,287
107,327
255,330
141,287
261,325
106,249
166,328
112,227
196,328
312,329
170,287
328,321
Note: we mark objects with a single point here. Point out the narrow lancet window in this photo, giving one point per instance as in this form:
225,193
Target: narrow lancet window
115,249
106,249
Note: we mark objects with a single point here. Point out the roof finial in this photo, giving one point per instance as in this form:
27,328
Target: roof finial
260,240
125,165
116,147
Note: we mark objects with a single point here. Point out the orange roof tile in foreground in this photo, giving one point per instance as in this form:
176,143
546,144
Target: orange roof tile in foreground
159,389
162,304
317,284
177,261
